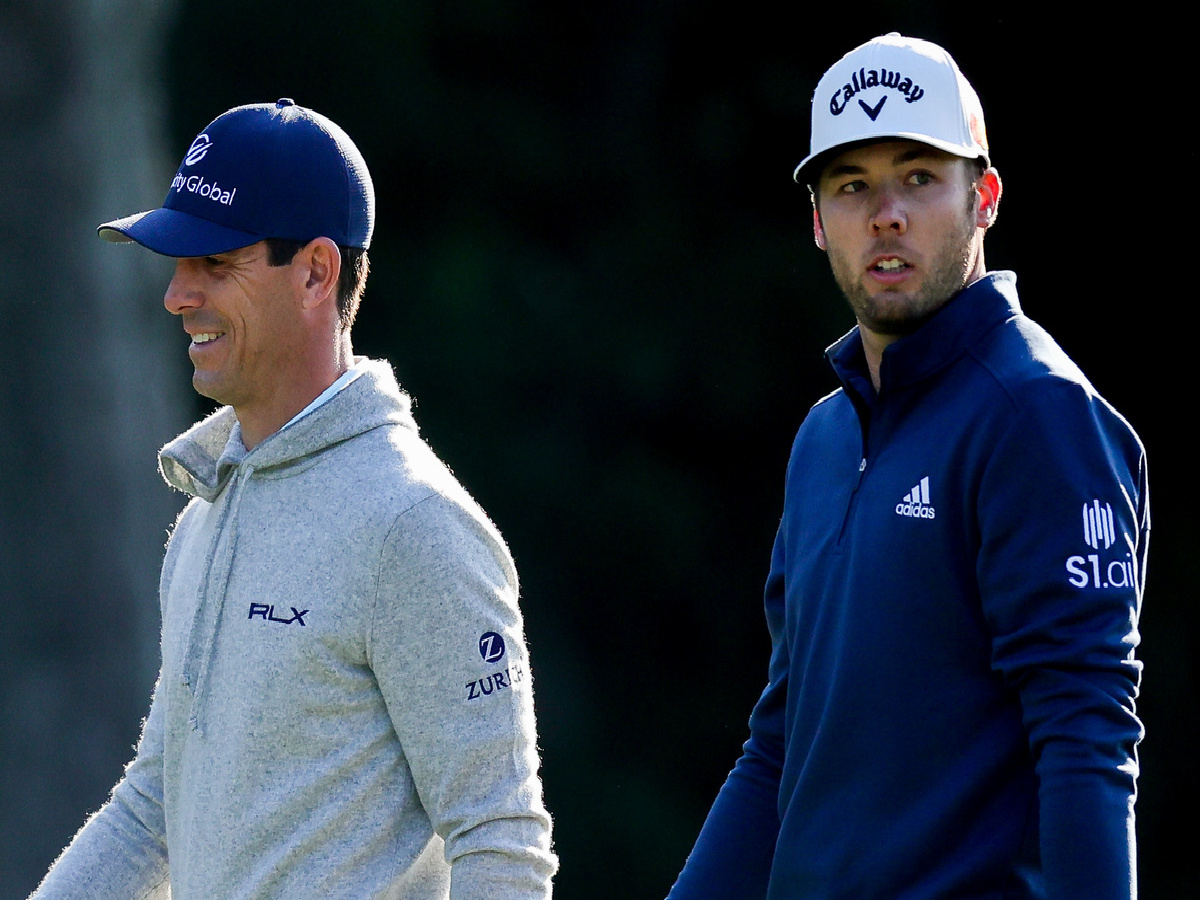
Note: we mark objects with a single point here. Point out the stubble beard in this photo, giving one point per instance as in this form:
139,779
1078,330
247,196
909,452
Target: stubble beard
898,313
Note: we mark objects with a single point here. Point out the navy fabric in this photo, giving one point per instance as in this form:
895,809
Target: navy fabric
272,170
953,603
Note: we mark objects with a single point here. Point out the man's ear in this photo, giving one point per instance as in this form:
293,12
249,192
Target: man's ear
818,230
321,264
989,189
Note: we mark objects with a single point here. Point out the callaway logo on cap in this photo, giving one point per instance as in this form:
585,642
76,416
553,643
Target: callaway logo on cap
270,170
894,87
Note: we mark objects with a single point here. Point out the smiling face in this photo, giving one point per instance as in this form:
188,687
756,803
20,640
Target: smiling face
903,225
249,335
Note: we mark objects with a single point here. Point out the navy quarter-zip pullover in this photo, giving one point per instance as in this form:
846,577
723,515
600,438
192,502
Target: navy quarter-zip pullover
953,603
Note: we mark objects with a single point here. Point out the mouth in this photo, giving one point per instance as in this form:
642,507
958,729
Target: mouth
888,271
206,337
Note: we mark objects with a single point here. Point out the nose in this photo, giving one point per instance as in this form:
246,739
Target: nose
889,213
183,293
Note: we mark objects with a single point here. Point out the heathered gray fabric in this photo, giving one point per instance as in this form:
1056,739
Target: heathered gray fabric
325,724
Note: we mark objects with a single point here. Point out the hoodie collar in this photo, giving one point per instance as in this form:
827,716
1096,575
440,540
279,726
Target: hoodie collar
201,460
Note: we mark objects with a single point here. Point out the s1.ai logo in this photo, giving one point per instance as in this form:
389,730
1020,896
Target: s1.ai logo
1100,533
491,647
1090,571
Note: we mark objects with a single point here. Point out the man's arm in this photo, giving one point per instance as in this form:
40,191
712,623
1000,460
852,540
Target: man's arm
1064,522
121,852
448,651
733,854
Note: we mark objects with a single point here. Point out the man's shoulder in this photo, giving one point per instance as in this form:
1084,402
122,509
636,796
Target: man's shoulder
391,466
1042,384
1025,361
832,412
832,406
367,449
408,496
829,431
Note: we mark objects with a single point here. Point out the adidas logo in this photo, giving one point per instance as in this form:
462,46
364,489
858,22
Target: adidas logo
915,504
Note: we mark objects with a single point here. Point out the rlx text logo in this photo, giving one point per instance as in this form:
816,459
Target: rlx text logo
267,614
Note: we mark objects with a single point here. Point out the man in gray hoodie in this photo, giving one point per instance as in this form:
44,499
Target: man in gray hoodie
344,708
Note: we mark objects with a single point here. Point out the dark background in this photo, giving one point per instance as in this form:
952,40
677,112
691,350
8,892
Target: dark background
592,270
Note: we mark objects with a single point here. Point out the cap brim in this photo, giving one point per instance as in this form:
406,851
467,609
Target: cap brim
810,167
174,233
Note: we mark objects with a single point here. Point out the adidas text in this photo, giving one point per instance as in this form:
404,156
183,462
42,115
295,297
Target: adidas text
915,511
915,504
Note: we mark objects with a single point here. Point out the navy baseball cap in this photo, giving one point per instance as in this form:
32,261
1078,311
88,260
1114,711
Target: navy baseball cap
268,170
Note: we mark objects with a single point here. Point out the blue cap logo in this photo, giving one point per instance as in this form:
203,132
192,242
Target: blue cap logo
196,152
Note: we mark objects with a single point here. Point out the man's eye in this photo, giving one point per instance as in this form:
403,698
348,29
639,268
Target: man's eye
920,178
853,187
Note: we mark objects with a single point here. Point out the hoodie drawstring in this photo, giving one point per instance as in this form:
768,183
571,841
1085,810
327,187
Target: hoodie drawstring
217,567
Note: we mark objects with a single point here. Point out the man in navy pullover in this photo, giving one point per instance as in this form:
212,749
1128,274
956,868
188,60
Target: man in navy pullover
956,582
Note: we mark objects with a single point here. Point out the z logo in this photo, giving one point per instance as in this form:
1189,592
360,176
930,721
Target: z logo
491,647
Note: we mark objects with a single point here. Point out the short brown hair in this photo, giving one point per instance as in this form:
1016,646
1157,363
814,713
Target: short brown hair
352,280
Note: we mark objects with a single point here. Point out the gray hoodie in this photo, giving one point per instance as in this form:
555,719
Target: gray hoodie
345,707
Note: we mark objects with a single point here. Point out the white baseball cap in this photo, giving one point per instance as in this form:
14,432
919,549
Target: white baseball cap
894,87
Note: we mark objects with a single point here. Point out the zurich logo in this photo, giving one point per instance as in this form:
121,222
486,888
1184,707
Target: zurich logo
491,647
196,152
